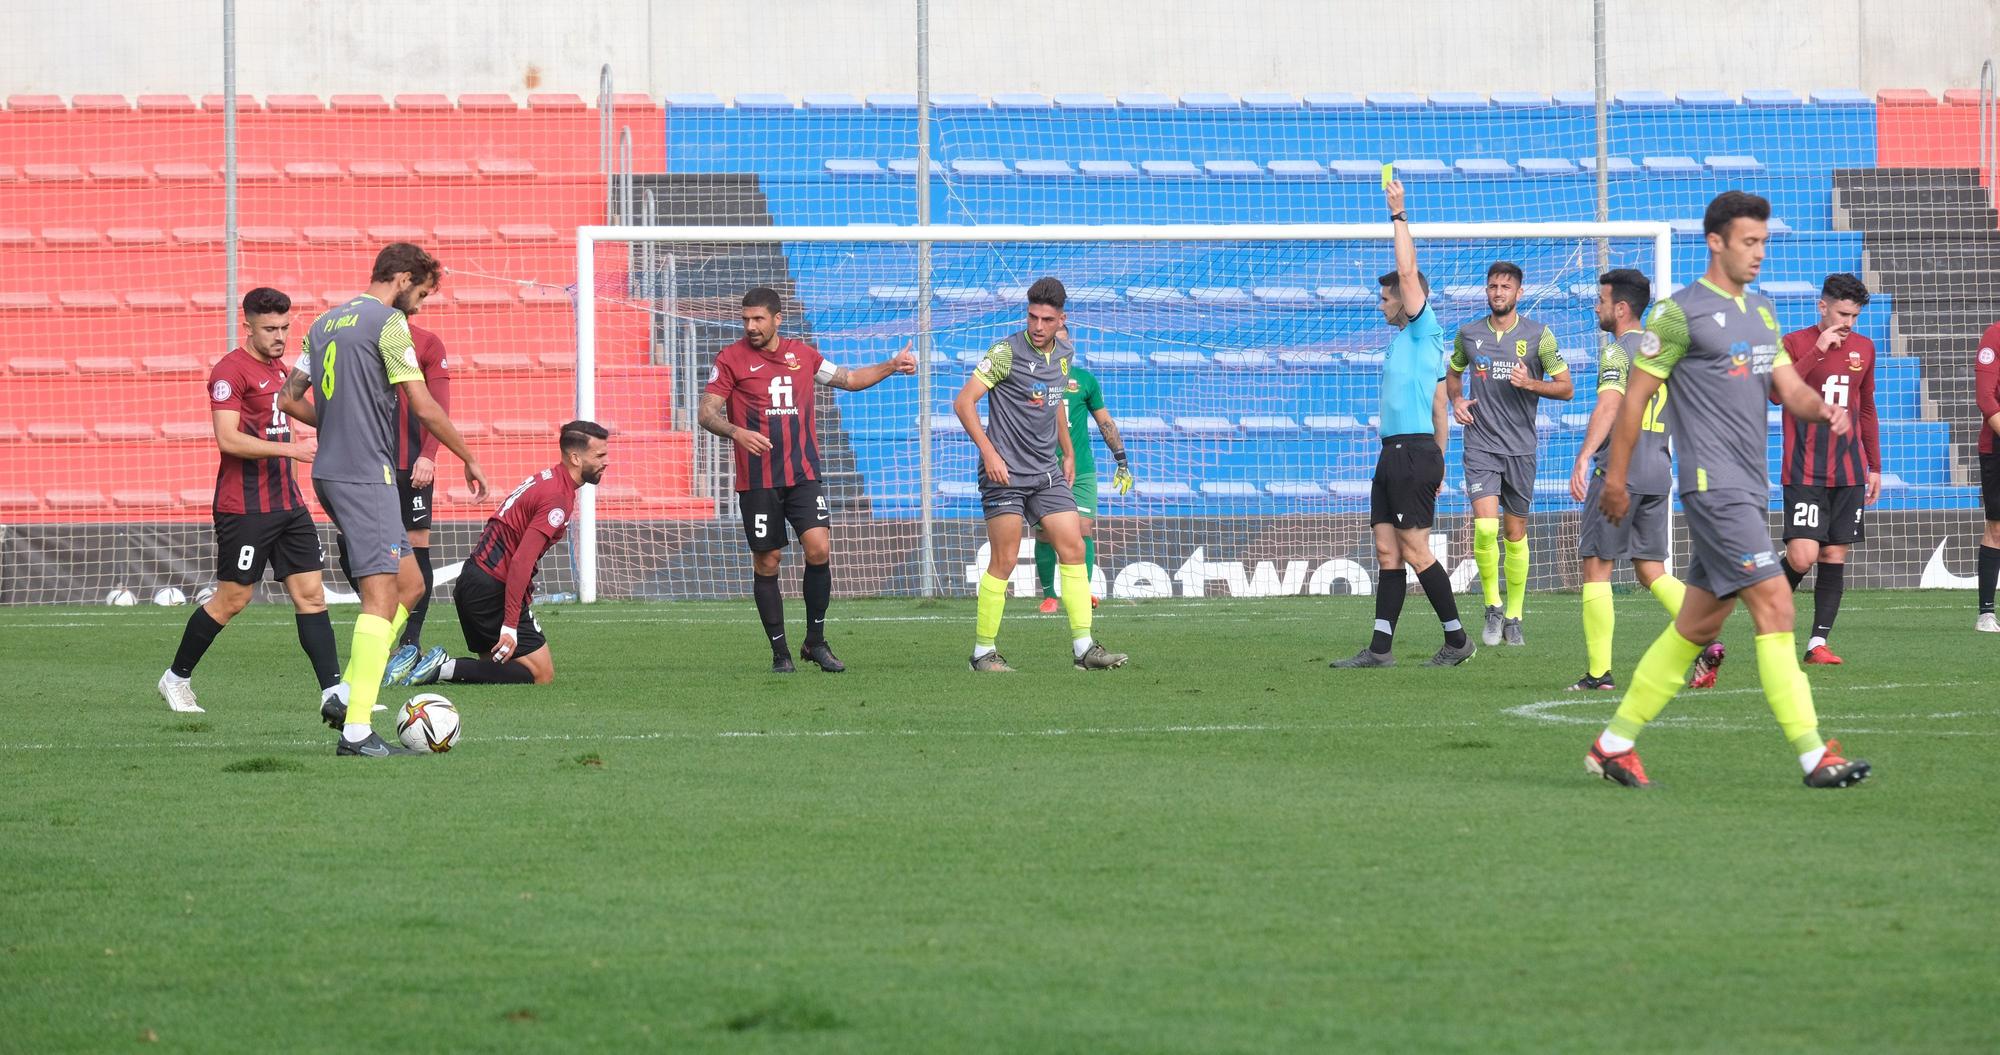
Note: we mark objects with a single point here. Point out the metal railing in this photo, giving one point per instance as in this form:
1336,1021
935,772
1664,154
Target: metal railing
1989,136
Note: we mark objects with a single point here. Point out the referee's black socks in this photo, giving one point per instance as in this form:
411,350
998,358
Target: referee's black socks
1389,593
1437,587
770,609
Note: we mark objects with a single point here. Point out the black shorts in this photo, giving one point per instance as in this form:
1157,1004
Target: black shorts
246,542
1830,515
1989,484
766,511
1407,475
481,603
416,501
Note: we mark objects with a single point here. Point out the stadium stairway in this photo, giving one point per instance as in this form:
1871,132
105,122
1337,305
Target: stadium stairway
1931,242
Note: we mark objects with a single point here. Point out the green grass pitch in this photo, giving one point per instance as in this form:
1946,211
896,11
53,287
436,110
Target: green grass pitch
1225,847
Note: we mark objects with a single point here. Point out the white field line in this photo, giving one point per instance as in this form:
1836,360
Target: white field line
1551,711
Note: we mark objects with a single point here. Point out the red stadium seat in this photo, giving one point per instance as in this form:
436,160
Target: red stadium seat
443,170
487,103
502,362
198,497
16,237
555,102
136,236
294,104
15,501
69,237
10,302
526,232
257,172
483,297
1961,97
36,366
332,236
125,432
358,104
105,365
424,103
166,104
100,104
198,236
171,366
90,300
35,103
634,101
314,171
205,300
56,432
9,173
244,103
561,361
397,233
155,300
506,168
379,171
267,236
119,172
72,499
188,430
463,234
52,173
545,296
140,499
1904,97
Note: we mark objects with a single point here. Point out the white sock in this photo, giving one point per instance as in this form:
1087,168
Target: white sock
1810,760
981,650
1611,743
338,691
1815,642
354,733
1080,645
445,672
175,679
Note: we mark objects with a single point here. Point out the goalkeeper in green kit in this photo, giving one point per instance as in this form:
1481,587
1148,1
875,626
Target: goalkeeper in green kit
1083,400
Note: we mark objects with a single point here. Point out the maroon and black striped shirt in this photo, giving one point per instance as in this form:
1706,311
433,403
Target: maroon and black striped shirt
1844,376
413,441
248,385
773,395
534,517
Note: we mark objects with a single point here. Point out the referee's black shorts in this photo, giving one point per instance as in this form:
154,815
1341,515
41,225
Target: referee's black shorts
1407,476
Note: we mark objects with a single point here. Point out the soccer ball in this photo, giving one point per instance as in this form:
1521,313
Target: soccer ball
120,598
169,596
428,722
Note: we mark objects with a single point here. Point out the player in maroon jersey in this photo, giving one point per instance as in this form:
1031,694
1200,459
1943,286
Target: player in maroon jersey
1829,478
260,516
497,582
1986,379
760,398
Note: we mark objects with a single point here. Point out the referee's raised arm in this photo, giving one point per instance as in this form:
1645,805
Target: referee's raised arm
1411,286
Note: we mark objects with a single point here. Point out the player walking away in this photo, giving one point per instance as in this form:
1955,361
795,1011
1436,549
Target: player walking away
1083,400
260,516
761,399
1829,478
1410,470
1986,378
497,584
1514,364
416,473
1027,469
1721,347
1642,538
360,359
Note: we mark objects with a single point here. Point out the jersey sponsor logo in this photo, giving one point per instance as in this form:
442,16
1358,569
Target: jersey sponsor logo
1739,364
1481,365
555,518
220,390
1763,559
1986,357
1038,395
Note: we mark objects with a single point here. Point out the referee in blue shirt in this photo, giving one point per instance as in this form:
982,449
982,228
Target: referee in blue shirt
1410,470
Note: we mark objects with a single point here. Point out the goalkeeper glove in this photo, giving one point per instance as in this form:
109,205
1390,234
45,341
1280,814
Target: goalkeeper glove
1122,479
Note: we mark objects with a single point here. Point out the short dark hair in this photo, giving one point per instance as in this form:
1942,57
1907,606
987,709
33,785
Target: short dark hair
576,435
1393,280
1049,291
1733,205
1844,286
765,297
267,301
1629,287
1508,268
398,257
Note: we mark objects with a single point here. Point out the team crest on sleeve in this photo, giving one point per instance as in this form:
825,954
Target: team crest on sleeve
555,518
714,374
220,390
1986,357
1649,344
985,366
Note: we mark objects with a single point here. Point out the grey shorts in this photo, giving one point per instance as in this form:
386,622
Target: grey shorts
1730,536
370,519
1643,535
1028,497
1509,476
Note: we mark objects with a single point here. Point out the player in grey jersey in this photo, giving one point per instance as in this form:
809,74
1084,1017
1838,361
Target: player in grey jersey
1026,472
1502,366
1721,345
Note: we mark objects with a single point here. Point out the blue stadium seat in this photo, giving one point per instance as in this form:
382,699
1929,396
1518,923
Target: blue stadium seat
1354,170
1164,491
1707,99
1580,100
1332,423
1269,425
962,295
1084,101
763,101
1843,97
694,101
1114,360
1548,167
1297,169
1230,489
1483,168
1044,169
1420,169
1295,489
1333,101
980,168
908,167
1270,101
1016,101
1283,296
1395,101
1175,169
855,167
1309,359
1219,296
1672,166
1644,99
1355,295
1144,426
1733,165
1233,169
892,101
830,101
1243,360
1108,169
1207,426
893,294
1146,101
1520,101
1771,99
1458,101
1788,288
1179,359
1208,101
1154,295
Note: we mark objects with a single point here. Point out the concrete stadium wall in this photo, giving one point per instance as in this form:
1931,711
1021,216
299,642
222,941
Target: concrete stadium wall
794,46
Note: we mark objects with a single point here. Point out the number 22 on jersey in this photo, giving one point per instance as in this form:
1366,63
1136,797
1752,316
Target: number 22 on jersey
1654,420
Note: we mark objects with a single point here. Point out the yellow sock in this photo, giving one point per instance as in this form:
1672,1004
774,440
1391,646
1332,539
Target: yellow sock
1669,591
1599,620
369,658
992,604
1517,576
1486,553
396,625
1076,599
1654,682
1787,691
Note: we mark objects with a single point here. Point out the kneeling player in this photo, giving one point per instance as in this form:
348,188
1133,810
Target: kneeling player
498,580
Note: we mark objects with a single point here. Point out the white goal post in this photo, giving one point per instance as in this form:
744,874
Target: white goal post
1194,277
